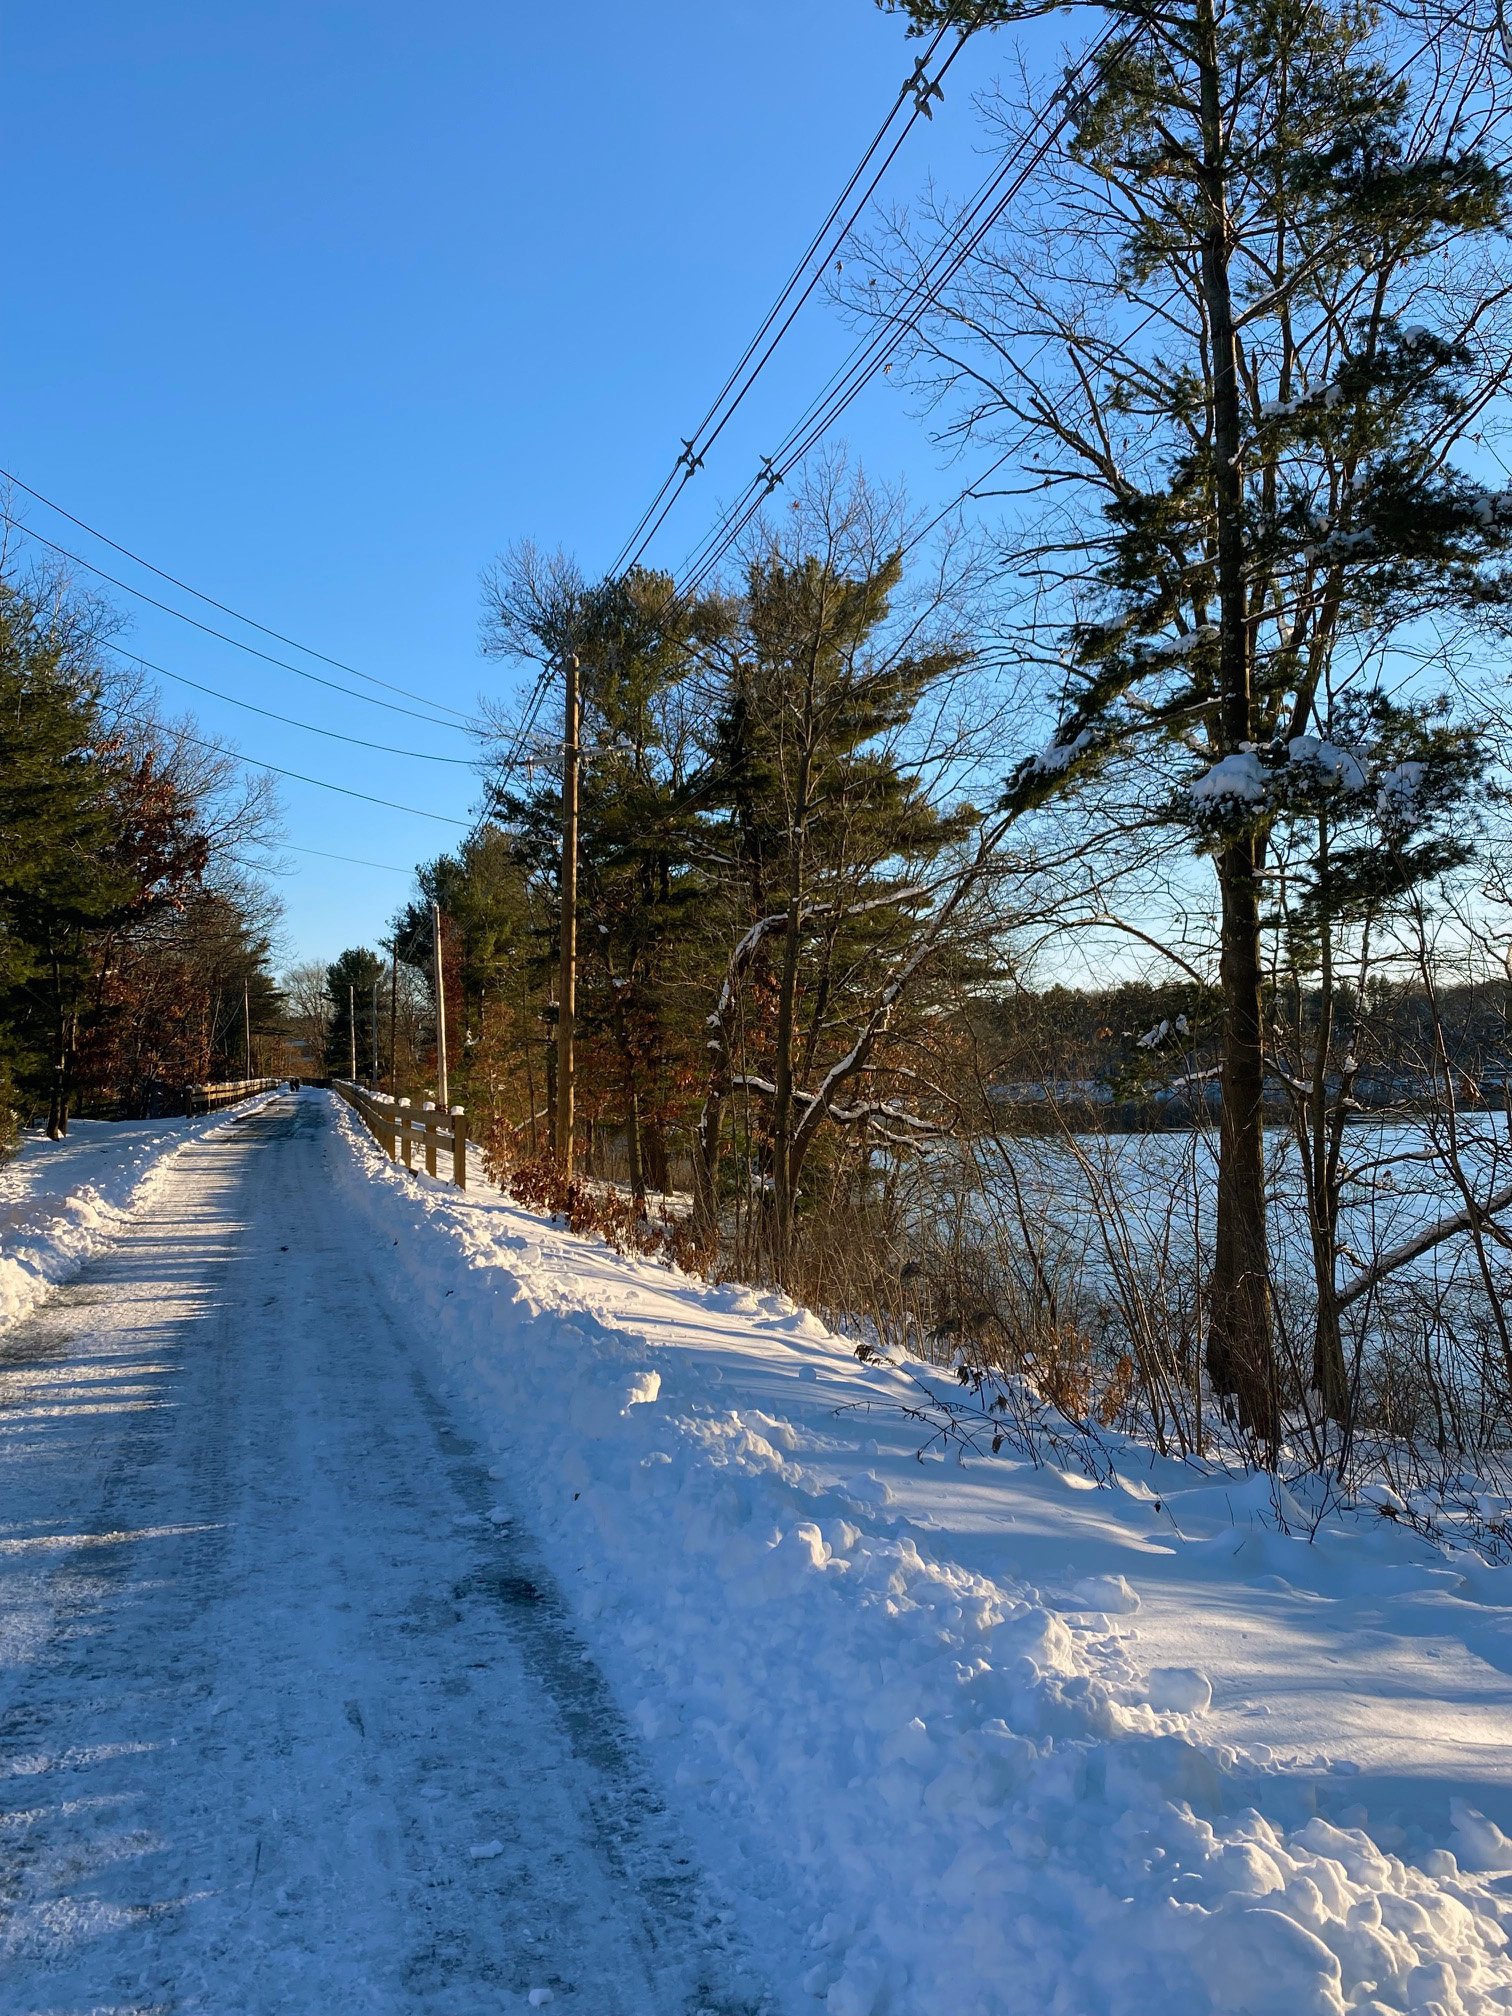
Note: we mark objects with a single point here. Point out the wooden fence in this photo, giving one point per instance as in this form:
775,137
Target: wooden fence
396,1125
231,1092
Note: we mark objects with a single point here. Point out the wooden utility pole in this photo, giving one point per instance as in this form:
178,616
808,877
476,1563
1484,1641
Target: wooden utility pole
567,981
440,1008
352,1026
247,1027
375,1032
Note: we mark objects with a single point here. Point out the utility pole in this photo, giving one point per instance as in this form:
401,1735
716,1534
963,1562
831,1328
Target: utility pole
441,1092
352,1026
375,1032
247,1027
567,980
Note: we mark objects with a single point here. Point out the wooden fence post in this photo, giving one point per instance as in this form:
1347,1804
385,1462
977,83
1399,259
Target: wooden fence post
393,1123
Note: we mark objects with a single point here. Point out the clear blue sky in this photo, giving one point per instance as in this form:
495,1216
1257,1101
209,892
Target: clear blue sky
318,306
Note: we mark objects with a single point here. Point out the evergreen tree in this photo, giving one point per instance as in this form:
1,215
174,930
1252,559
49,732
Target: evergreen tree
832,832
641,788
63,871
354,987
1254,361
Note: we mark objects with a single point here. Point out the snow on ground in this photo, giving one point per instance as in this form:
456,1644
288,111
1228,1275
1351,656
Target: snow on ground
295,1723
982,1739
60,1201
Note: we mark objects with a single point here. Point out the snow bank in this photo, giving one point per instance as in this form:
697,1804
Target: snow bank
60,1201
956,1793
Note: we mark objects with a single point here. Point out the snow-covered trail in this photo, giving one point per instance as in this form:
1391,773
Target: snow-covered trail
293,1718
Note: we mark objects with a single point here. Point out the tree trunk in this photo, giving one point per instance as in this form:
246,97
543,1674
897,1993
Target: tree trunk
551,1092
783,1170
530,1096
632,1099
1330,1373
706,1146
654,1156
57,1091
708,1135
633,1148
1240,1352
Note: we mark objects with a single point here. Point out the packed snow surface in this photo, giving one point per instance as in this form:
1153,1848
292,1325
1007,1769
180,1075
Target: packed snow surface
962,1740
294,1727
985,1738
60,1201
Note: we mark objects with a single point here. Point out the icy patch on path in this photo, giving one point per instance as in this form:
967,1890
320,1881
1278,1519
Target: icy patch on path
969,1794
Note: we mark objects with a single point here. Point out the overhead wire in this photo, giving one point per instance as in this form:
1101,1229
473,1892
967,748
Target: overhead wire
505,770
288,720
316,678
685,465
873,352
845,384
322,854
922,88
876,348
339,664
278,770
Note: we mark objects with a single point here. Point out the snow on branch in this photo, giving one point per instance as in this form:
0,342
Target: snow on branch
1260,773
870,1111
1467,1219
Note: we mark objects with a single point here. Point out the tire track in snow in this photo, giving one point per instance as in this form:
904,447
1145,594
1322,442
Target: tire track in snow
274,1674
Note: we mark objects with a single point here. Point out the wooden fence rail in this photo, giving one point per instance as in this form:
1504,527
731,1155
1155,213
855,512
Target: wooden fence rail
396,1125
230,1092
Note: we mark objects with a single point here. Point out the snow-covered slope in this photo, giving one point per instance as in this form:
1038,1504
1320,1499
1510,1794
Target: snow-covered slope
982,1739
61,1200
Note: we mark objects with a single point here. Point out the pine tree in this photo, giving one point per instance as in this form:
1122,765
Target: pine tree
63,870
1255,357
640,793
353,986
831,836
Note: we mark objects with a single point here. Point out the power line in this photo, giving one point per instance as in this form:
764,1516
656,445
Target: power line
505,770
865,361
226,610
298,776
922,89
876,349
874,352
335,685
269,714
352,860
